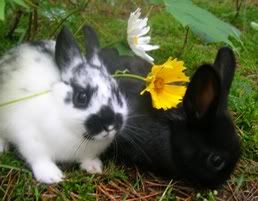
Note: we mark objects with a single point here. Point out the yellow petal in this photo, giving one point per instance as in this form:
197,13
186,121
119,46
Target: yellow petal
164,95
171,71
168,98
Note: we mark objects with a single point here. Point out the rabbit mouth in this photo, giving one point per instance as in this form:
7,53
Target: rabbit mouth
103,135
106,135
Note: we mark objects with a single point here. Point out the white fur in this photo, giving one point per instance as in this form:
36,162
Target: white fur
45,128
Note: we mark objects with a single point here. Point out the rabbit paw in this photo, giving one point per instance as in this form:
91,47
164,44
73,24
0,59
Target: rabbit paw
92,166
3,146
47,172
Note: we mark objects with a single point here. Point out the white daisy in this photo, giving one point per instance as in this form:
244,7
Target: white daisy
136,36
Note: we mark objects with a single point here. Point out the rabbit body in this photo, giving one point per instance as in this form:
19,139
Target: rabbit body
195,142
75,121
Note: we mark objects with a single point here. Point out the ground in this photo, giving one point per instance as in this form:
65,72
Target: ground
122,183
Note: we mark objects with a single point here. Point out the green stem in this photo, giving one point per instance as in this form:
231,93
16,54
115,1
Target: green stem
126,75
23,98
14,168
129,75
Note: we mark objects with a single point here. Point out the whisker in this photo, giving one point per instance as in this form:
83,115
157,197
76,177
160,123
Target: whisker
115,156
135,145
82,141
86,138
135,134
136,128
136,131
136,116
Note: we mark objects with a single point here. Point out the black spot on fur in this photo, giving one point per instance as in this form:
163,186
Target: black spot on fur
9,58
116,94
79,69
6,65
107,115
68,98
94,125
118,121
102,120
42,46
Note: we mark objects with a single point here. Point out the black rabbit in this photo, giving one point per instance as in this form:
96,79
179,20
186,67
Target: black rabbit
195,142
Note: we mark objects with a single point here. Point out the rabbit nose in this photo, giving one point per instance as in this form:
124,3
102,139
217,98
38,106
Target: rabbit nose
110,120
109,128
215,161
105,120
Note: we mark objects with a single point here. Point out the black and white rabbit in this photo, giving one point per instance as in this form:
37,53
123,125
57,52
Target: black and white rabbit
197,141
75,121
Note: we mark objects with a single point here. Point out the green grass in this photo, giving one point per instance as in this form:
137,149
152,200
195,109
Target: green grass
16,182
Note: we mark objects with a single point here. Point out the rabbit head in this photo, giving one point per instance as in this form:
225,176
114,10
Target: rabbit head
87,93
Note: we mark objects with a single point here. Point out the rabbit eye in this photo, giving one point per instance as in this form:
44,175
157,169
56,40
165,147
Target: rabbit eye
80,99
82,96
215,161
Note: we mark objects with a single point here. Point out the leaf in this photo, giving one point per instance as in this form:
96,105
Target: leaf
156,2
123,48
203,23
53,13
22,33
2,10
111,2
254,25
21,3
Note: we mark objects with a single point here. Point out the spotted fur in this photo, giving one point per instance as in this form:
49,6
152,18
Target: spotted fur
75,121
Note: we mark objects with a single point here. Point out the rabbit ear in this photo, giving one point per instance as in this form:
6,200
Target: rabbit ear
91,45
114,62
202,94
67,53
111,58
225,65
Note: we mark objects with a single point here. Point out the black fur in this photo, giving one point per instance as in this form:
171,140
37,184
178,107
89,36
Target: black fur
69,97
10,57
66,50
116,94
196,142
102,120
92,42
42,47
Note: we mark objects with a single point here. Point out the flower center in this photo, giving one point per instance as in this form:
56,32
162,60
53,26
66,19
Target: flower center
135,40
159,84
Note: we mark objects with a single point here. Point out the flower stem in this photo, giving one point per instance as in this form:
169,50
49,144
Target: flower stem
129,75
23,98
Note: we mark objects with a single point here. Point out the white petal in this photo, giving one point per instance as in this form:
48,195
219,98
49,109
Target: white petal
134,16
143,55
141,23
148,58
144,40
147,47
144,31
138,26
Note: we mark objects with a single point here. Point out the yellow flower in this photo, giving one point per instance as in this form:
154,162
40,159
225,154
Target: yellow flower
164,83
